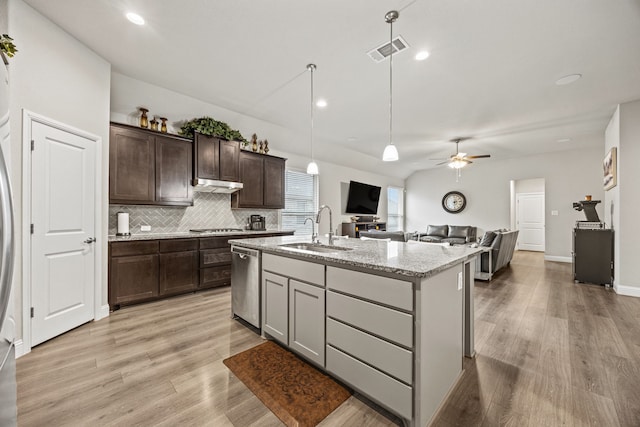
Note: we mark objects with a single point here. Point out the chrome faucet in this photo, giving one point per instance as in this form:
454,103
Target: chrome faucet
314,236
330,222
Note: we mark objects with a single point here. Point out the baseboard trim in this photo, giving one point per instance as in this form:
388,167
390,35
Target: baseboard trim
630,291
19,344
102,312
566,259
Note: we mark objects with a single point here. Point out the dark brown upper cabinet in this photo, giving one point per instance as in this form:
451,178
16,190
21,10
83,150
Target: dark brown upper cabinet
149,168
263,180
215,158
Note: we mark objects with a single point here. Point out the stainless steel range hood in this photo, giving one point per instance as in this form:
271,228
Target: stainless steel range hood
215,186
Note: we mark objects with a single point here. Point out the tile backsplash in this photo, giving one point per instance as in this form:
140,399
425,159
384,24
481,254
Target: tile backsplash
209,210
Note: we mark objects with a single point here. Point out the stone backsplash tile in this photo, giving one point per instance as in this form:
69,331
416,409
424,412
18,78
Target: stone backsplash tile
209,210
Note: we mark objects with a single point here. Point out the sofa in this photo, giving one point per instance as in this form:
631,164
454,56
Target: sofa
500,246
452,234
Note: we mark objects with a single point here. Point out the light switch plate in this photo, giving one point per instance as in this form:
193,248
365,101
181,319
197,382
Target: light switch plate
554,213
460,281
145,228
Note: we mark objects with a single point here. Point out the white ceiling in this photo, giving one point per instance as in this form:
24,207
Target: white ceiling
491,74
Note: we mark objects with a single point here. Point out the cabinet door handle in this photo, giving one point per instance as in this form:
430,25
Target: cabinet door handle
90,240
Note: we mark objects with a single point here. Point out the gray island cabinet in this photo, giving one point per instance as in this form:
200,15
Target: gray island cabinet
392,320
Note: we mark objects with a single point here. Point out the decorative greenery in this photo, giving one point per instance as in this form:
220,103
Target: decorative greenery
210,126
7,46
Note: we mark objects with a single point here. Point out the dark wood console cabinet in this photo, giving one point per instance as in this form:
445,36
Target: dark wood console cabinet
263,180
147,270
149,168
353,229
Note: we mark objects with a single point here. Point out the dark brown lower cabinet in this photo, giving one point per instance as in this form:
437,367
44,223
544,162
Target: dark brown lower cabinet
178,273
147,270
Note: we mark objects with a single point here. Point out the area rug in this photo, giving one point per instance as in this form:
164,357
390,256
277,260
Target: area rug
296,392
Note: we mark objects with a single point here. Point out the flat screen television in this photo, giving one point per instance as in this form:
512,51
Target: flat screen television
363,198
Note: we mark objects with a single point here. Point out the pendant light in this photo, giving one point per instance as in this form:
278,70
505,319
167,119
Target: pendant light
312,167
390,153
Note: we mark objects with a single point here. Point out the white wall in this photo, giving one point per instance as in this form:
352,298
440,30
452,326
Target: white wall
628,178
128,93
568,175
56,76
612,196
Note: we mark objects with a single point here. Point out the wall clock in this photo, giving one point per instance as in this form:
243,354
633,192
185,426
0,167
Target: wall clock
454,202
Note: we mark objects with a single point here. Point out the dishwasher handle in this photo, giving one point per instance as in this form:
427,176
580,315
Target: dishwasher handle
244,253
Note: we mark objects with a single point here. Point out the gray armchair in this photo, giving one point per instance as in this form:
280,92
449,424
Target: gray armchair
397,236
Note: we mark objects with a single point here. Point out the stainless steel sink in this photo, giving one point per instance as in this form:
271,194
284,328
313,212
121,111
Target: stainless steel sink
314,247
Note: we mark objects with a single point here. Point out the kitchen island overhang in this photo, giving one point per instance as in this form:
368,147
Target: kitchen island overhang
368,308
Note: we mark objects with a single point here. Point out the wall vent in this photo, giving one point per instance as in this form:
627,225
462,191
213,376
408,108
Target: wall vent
381,52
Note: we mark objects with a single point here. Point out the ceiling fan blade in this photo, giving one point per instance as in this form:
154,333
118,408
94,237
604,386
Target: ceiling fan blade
481,156
443,163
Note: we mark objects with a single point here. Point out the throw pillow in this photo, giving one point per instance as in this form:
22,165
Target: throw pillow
437,230
458,231
488,238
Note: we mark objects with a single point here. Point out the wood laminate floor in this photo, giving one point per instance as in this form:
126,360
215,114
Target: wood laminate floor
550,352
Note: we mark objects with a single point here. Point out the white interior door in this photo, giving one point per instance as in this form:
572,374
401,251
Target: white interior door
530,221
62,248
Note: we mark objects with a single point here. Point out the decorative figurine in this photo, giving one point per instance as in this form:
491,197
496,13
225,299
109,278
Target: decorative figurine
163,127
266,146
254,142
144,122
154,124
261,149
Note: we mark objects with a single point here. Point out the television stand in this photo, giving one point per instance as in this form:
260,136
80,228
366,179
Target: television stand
353,229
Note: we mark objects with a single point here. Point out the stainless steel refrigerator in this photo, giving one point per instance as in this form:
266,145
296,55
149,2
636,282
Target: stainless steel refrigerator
7,351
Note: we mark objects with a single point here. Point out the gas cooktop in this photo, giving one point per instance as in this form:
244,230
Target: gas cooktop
214,230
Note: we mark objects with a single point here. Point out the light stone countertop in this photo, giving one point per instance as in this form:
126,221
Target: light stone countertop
190,235
413,259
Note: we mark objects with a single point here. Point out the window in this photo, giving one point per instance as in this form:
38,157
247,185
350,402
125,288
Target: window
300,201
395,209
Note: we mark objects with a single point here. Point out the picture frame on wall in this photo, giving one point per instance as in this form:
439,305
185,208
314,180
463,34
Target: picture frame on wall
609,166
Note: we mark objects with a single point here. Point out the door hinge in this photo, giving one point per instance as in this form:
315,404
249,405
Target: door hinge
32,312
32,228
33,145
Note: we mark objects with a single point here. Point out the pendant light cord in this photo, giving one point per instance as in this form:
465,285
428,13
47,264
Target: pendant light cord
312,68
391,82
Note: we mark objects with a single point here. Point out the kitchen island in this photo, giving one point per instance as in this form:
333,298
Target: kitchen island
391,319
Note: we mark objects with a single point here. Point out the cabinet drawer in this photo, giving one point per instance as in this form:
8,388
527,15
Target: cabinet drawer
215,276
382,321
378,353
215,242
393,292
142,247
371,382
178,245
294,268
213,257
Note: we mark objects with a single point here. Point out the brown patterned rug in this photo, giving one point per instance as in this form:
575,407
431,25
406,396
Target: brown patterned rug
293,390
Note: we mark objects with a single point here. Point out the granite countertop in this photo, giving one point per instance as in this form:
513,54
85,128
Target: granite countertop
413,259
190,235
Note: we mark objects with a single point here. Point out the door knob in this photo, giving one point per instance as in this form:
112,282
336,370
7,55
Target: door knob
90,240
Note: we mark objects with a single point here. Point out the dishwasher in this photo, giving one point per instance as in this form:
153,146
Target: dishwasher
245,285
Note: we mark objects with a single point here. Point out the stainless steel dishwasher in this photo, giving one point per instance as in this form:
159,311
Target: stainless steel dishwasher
245,284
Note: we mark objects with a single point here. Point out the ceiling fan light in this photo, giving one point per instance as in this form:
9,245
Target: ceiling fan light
390,153
312,168
457,164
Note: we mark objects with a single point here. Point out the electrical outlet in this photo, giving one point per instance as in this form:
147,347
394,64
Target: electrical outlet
554,213
145,228
460,281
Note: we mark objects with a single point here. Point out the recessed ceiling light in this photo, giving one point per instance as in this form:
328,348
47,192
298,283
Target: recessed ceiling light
568,79
352,139
135,18
563,140
321,103
422,55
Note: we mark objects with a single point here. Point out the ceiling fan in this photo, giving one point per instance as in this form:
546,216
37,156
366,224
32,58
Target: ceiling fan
460,160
